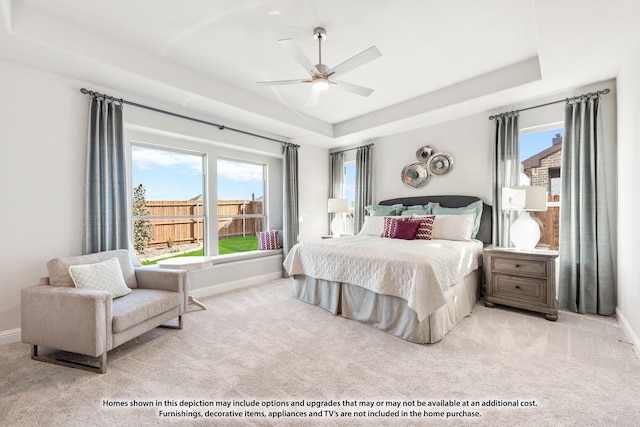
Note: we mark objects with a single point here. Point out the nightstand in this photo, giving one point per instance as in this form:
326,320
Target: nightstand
521,278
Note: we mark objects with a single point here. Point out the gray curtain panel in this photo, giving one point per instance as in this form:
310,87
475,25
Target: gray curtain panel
336,189
364,187
506,174
586,282
290,198
106,221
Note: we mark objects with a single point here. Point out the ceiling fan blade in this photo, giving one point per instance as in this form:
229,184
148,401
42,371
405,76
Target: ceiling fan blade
355,61
299,55
350,87
283,82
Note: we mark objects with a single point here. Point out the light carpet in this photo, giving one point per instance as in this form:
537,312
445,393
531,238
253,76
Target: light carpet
261,346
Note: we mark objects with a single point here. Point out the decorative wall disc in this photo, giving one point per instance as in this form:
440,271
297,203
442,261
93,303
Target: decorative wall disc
415,175
424,153
440,164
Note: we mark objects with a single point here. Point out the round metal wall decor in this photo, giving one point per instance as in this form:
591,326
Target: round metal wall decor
415,175
424,153
440,164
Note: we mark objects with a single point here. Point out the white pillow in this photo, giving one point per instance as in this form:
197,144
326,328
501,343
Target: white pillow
453,227
101,276
373,226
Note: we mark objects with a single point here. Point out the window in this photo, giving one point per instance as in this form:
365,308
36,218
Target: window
541,157
350,193
168,203
200,196
241,205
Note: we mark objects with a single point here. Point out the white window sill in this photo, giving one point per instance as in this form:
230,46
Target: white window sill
201,262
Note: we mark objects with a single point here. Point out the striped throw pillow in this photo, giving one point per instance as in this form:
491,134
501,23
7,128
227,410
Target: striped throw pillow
268,240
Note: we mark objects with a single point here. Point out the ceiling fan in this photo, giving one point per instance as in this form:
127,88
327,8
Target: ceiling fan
321,75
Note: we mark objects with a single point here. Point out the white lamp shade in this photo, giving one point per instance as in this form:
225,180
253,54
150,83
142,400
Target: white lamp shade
524,198
338,205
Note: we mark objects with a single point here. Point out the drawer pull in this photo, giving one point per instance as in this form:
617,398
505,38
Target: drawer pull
517,286
517,265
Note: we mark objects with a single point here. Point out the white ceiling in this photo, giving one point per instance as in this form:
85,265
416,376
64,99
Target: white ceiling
440,60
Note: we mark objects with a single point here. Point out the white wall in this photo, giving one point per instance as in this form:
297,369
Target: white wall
469,140
628,196
43,132
43,137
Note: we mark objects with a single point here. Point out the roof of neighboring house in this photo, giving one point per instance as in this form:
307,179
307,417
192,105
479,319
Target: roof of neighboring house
534,161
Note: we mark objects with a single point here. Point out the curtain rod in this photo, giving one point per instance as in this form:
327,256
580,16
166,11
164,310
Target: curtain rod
193,119
600,92
351,149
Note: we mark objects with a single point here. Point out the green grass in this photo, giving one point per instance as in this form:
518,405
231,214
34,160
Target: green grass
237,244
225,246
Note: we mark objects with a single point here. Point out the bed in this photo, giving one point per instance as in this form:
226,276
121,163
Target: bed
417,290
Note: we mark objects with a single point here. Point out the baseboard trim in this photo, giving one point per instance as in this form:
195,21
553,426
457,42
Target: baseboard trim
633,338
10,336
236,284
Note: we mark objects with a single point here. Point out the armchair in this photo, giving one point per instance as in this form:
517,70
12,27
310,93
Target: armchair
59,315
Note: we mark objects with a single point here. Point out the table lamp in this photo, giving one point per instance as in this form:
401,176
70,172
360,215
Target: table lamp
524,232
338,207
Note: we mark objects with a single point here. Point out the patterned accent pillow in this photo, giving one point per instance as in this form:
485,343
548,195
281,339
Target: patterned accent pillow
268,240
425,229
390,225
102,276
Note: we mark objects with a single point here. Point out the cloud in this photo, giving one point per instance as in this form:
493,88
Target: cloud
238,171
148,158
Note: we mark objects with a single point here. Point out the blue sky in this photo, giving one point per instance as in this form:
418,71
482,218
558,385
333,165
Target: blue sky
170,175
535,142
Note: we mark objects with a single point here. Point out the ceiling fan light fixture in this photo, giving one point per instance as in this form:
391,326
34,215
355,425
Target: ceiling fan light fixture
320,83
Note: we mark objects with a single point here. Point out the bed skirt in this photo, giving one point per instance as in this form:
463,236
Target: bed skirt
389,313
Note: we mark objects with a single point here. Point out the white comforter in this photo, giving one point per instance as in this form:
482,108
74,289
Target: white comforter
419,271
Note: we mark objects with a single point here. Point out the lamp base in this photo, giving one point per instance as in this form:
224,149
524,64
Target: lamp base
525,232
337,225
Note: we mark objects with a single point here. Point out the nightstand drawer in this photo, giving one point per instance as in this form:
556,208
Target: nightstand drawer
522,288
519,266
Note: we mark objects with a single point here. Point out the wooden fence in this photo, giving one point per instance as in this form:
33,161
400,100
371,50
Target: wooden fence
181,231
550,232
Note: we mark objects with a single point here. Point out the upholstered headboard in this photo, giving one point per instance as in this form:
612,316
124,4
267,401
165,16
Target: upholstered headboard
484,233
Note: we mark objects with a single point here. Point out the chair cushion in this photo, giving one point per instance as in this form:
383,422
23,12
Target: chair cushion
140,305
59,267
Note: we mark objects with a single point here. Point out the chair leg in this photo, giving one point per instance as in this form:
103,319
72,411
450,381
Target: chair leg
100,369
179,326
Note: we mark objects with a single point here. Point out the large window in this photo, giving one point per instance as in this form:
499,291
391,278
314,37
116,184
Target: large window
541,158
241,205
168,203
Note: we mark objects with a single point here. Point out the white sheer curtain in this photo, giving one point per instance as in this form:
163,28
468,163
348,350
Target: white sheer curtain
506,174
106,204
586,282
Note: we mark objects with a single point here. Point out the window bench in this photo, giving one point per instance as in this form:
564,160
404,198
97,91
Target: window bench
218,273
199,262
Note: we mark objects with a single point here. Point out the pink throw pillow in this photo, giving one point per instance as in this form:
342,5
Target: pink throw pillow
268,240
390,225
425,230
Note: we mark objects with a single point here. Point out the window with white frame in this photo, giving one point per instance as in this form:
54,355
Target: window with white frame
168,206
541,160
350,193
191,199
241,204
